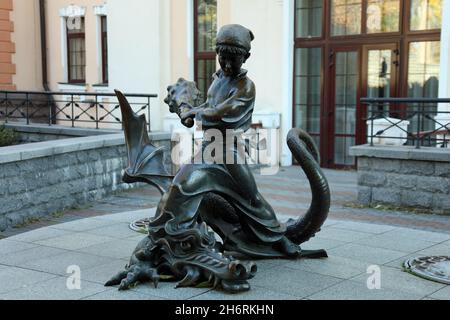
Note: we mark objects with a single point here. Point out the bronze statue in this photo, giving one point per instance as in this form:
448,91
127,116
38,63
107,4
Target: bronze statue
221,194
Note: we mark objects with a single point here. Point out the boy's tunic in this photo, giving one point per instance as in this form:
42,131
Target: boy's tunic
234,182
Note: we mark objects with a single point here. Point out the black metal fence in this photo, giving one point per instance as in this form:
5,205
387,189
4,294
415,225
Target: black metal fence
92,110
408,121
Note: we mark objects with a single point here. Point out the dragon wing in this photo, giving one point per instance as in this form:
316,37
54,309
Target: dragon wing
145,161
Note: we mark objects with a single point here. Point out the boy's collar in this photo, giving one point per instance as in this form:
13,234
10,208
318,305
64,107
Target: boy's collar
241,74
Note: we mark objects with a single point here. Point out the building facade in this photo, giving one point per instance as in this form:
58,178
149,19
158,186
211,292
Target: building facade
312,60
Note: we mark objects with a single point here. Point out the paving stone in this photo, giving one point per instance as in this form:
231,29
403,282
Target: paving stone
129,216
81,225
102,273
20,257
398,280
59,291
363,227
74,241
114,294
58,264
351,290
166,290
419,234
119,230
392,241
321,243
333,233
442,294
39,234
332,266
366,253
119,249
255,293
298,283
12,278
9,246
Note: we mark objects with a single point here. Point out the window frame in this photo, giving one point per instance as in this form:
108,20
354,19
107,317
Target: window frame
69,36
200,55
104,48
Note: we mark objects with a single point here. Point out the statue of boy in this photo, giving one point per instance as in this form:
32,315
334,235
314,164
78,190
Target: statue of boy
248,223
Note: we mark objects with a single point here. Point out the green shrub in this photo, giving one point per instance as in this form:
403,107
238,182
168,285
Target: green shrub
8,136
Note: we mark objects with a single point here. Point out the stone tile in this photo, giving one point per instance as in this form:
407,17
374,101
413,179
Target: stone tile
102,273
114,294
137,237
351,290
333,233
321,243
81,225
119,230
58,264
129,216
391,241
39,234
264,265
255,293
332,266
442,294
363,227
419,234
366,253
54,289
398,280
20,257
9,246
119,249
12,278
166,290
74,241
293,282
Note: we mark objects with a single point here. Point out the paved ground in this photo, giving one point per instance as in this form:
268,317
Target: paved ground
288,192
34,259
34,265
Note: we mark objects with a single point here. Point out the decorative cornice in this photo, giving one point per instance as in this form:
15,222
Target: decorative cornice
72,11
101,10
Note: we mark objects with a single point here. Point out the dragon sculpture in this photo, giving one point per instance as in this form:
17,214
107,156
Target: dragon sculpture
211,219
193,256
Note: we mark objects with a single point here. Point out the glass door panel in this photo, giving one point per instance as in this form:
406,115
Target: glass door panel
345,104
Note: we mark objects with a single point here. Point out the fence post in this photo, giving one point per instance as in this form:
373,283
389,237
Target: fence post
27,104
6,107
96,111
49,110
371,124
73,115
148,113
419,113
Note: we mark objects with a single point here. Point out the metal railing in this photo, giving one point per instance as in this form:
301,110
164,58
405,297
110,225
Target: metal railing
92,110
408,121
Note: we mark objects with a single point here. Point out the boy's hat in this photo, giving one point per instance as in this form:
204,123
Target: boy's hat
235,35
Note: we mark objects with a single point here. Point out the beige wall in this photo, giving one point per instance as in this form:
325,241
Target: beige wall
26,36
265,66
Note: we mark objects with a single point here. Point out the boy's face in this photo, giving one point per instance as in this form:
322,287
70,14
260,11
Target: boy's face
231,63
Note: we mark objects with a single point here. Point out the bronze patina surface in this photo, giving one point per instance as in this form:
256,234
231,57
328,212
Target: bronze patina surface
220,197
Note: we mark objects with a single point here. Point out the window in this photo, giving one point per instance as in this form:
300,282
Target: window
383,16
104,39
309,18
76,50
426,14
345,17
308,62
205,30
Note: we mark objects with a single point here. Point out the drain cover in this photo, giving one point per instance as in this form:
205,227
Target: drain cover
435,268
140,225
